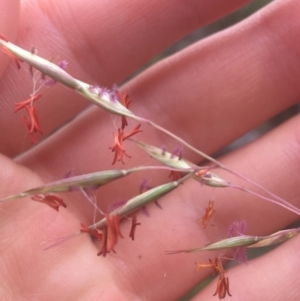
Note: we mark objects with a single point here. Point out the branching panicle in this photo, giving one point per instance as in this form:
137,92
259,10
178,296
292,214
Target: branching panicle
107,230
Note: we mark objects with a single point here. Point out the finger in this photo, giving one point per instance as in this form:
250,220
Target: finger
9,22
74,31
119,29
222,87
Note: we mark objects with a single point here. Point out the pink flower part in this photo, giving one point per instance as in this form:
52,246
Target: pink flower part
178,152
238,229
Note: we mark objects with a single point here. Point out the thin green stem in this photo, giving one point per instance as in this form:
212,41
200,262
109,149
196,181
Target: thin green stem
218,164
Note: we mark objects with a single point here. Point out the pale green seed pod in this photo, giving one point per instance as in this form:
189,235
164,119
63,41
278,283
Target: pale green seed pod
142,200
92,180
276,238
211,179
58,74
165,157
244,241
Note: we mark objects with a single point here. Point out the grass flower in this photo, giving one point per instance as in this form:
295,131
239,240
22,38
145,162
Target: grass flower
118,147
134,224
51,82
28,102
95,233
108,235
32,123
51,200
209,211
238,229
16,59
125,101
223,282
107,229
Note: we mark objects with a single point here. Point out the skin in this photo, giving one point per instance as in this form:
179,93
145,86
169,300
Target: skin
209,94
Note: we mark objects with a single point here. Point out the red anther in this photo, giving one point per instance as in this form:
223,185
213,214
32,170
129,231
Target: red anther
22,104
205,220
118,148
50,199
12,56
93,232
125,101
134,224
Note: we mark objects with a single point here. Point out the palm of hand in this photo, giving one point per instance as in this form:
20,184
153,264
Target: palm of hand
193,94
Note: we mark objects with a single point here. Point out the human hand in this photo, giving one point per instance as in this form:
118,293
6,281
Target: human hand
209,94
